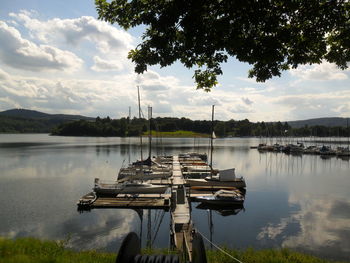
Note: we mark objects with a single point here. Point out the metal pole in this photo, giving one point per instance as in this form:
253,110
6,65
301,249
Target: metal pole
211,141
150,132
138,95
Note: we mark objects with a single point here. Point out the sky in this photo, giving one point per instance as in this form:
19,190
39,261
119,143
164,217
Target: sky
57,57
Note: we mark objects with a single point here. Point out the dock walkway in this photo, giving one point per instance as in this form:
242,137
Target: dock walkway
177,177
180,211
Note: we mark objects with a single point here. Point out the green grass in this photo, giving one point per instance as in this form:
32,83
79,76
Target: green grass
179,133
263,256
31,250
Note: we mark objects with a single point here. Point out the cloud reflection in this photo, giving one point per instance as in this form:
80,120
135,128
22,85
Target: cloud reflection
324,226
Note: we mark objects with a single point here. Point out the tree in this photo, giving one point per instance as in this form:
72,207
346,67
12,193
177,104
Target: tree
273,36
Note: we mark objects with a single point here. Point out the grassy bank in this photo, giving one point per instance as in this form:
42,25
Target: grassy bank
264,256
179,133
30,250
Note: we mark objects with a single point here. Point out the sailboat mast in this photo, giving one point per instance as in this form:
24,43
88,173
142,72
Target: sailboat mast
150,132
138,96
347,128
211,140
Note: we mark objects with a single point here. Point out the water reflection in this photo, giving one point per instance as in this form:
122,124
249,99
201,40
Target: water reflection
323,226
222,210
301,202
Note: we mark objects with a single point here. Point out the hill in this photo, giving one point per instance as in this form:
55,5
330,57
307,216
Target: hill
32,114
30,121
327,122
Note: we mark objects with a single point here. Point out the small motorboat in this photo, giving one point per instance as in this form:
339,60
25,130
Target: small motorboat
222,197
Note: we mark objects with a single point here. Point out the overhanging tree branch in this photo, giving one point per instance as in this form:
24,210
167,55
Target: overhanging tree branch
272,36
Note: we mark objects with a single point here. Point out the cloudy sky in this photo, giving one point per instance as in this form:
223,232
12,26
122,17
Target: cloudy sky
56,57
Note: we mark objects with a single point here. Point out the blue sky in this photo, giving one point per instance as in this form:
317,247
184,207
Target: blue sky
56,57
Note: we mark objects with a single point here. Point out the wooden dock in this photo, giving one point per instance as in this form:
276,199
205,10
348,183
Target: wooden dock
145,201
181,223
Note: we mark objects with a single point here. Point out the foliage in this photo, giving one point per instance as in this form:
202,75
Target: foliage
183,127
10,124
273,36
179,133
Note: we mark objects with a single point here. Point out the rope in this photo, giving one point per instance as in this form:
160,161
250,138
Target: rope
155,235
223,251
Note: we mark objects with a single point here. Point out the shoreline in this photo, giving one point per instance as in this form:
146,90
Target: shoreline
30,250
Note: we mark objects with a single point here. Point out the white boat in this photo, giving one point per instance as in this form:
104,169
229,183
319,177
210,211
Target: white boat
225,178
127,188
222,197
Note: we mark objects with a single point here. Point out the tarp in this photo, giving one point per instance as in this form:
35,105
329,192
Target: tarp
227,175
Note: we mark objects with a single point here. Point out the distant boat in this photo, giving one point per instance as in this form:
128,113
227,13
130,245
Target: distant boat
127,188
311,150
343,152
222,197
326,150
294,149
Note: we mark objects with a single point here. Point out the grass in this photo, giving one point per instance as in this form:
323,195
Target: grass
31,250
179,133
263,256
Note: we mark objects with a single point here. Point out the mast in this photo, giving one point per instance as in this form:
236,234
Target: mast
150,132
347,127
211,140
138,96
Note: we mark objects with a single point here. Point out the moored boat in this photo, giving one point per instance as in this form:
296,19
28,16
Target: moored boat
222,197
127,188
225,178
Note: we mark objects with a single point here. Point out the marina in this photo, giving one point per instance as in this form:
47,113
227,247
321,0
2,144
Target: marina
176,195
322,148
133,189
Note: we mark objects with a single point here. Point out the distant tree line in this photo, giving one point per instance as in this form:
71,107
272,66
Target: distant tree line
134,127
10,124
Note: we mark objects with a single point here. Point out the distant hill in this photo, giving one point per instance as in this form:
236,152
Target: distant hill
32,114
30,121
328,122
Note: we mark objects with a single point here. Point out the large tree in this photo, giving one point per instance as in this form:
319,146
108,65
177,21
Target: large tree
271,35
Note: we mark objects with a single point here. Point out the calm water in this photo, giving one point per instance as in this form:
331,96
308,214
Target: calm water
298,202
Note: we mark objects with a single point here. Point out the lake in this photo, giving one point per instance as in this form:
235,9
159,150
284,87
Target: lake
298,202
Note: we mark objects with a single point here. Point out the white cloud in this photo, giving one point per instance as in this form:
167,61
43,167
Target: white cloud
240,108
66,95
306,106
20,53
247,101
321,72
107,38
106,65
